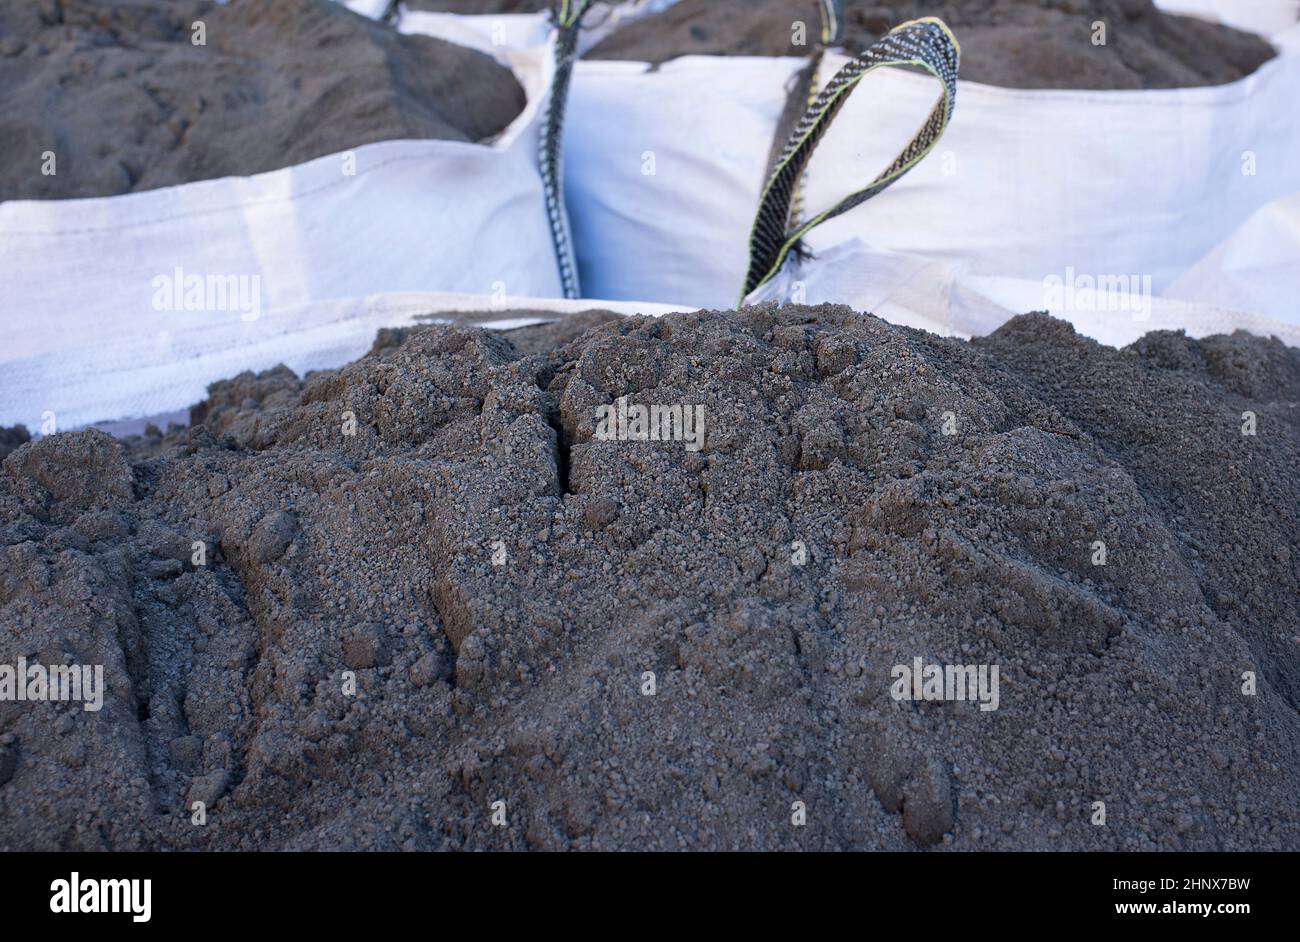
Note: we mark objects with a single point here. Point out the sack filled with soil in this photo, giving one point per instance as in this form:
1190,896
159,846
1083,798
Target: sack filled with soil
130,95
1013,43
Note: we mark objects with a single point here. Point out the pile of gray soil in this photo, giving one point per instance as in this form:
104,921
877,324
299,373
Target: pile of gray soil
125,100
1014,43
417,602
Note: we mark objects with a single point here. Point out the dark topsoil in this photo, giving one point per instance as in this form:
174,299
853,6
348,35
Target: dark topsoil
522,682
117,90
1014,43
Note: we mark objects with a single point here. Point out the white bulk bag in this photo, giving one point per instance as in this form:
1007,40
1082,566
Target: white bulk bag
569,30
1265,17
499,33
133,376
87,283
371,9
941,297
1257,268
1028,184
663,171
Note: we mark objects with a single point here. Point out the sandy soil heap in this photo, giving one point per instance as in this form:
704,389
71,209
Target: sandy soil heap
499,580
126,101
1015,43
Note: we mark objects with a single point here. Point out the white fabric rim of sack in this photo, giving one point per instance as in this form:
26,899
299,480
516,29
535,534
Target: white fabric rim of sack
86,342
371,9
1265,17
498,34
930,294
324,335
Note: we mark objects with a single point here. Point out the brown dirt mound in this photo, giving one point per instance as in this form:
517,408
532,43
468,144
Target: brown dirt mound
497,581
123,98
1014,43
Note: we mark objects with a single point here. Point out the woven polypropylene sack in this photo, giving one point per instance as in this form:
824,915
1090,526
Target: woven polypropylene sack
89,335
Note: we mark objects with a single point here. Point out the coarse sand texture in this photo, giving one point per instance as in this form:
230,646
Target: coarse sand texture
121,94
1015,43
426,585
